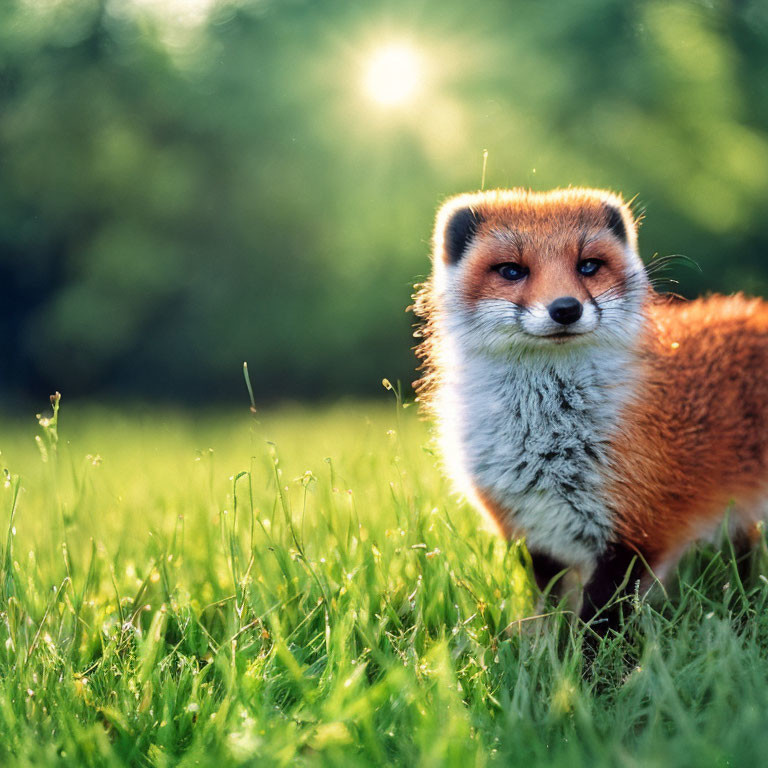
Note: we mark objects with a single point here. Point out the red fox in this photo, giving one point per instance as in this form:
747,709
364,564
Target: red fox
608,425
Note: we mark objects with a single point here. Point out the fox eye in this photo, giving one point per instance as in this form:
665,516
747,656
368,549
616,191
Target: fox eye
512,271
589,267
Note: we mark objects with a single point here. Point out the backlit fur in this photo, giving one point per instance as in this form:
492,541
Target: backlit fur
637,425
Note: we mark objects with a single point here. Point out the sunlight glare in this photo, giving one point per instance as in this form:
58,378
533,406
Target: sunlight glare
394,75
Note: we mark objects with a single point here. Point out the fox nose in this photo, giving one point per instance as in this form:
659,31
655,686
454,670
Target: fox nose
565,310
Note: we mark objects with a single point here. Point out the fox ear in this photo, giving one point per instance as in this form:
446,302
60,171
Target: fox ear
459,227
616,222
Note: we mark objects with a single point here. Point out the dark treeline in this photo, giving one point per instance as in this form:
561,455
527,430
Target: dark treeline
180,195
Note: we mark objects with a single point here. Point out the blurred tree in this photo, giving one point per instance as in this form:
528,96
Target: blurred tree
178,197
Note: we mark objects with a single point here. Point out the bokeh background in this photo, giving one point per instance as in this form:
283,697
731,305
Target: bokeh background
188,184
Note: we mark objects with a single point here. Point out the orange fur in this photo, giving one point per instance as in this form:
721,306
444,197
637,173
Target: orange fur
695,438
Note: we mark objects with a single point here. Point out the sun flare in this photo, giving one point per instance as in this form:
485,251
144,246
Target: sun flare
394,75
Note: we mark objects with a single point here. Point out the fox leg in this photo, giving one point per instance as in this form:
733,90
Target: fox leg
615,574
746,534
545,569
747,525
560,584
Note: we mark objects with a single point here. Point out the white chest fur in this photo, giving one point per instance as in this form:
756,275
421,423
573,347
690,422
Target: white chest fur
532,435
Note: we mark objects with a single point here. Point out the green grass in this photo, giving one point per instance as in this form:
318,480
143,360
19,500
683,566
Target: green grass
202,589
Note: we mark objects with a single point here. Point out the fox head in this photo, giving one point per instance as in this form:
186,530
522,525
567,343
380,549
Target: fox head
521,270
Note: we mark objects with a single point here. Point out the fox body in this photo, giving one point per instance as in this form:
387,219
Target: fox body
607,424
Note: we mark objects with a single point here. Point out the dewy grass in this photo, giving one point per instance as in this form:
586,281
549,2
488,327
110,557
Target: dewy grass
305,590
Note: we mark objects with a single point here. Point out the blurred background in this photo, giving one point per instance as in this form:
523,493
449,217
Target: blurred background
187,184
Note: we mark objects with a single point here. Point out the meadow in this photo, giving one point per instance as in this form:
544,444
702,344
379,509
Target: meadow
300,587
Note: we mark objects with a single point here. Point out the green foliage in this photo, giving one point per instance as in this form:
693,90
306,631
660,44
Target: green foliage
179,197
304,590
